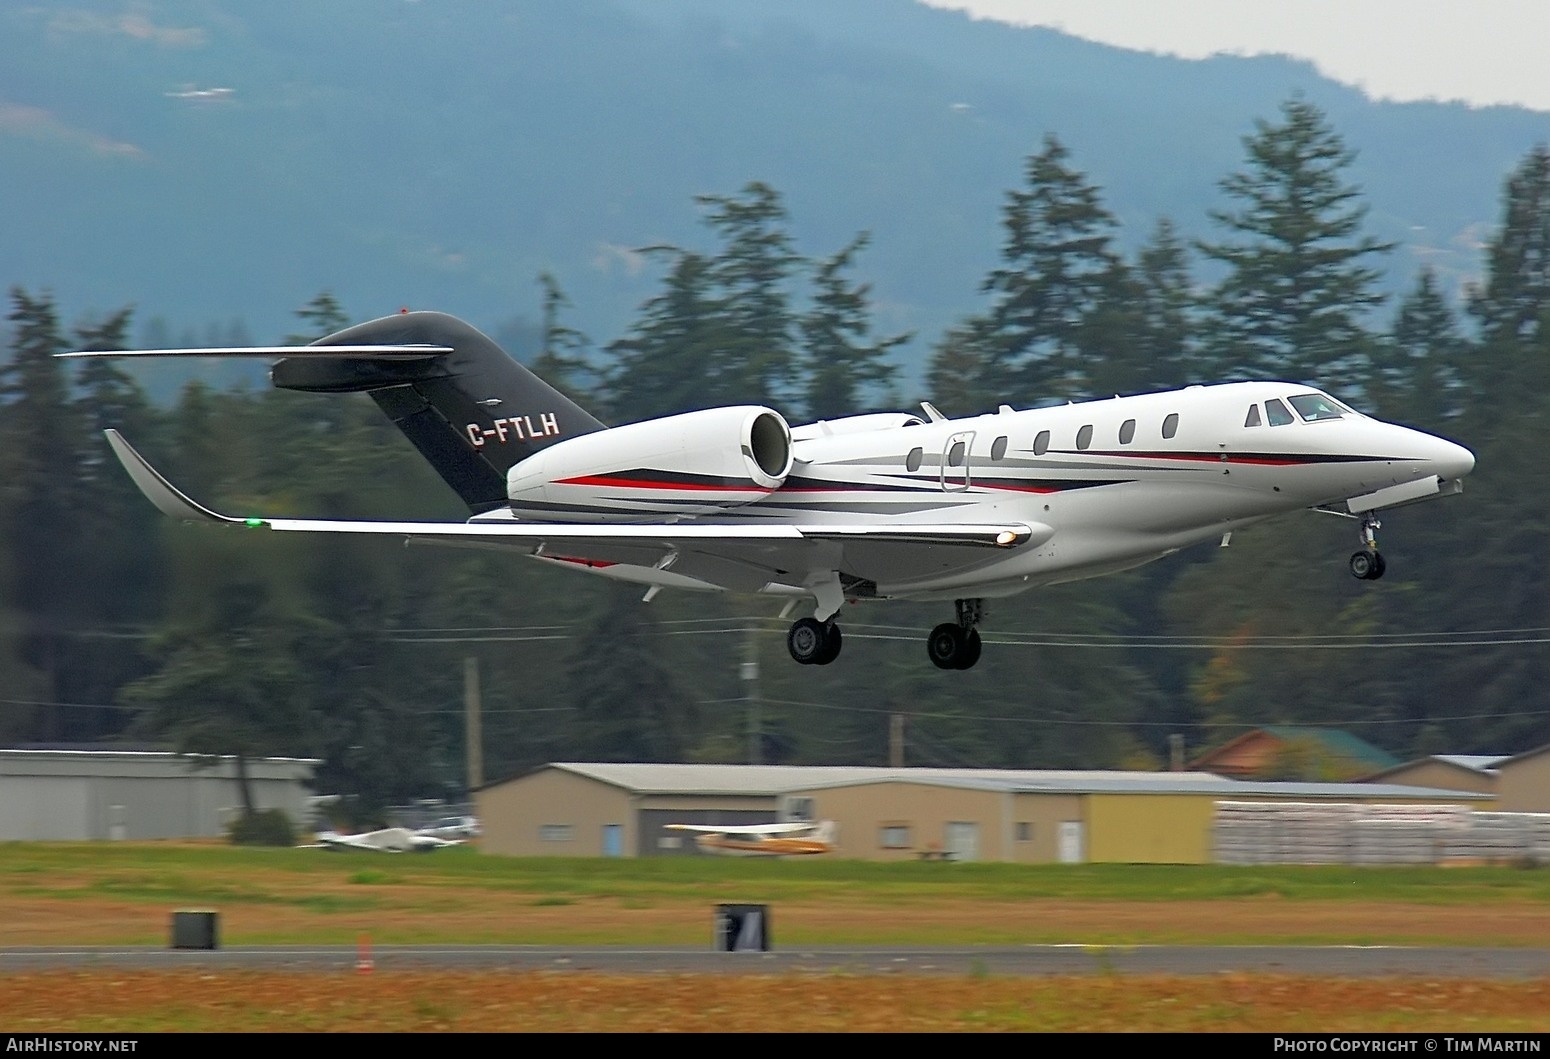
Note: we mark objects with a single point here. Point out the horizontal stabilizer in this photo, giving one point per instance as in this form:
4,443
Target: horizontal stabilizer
348,352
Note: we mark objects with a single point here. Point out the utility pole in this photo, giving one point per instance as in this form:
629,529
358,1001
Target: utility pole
896,740
475,749
750,674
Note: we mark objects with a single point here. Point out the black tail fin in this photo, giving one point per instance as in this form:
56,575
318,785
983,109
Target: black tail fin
472,413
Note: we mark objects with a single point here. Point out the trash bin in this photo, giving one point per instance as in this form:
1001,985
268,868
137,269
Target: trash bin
743,928
193,929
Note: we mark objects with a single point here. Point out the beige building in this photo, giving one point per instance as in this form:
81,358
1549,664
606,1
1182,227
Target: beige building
1014,815
1452,772
1518,783
1523,782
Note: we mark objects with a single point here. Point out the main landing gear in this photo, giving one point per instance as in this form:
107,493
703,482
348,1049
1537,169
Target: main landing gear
956,645
1368,564
813,642
951,645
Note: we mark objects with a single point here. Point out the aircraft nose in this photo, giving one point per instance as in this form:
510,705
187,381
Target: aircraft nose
1452,460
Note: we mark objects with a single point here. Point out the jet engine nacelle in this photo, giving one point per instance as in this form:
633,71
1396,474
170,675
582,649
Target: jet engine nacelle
689,464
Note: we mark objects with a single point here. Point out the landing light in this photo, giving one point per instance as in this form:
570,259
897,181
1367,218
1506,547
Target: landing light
1005,537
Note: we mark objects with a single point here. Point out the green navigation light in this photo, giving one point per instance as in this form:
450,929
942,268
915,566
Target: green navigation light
255,523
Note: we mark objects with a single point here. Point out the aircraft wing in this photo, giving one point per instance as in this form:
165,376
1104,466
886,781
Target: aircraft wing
387,840
741,556
742,829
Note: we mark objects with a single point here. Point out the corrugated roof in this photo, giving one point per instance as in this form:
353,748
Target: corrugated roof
771,780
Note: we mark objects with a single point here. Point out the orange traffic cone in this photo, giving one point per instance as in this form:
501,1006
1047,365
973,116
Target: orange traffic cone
363,956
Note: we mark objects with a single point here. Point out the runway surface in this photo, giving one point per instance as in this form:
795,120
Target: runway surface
1340,960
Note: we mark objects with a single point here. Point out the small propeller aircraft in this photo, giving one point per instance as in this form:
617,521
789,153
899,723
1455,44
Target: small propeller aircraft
763,840
867,507
386,840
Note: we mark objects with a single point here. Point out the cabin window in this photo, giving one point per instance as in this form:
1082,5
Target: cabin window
1084,437
1171,425
1276,412
913,460
894,836
1315,406
1252,420
1041,443
998,448
955,454
1127,432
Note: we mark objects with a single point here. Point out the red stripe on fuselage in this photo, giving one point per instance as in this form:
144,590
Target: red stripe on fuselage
596,564
611,482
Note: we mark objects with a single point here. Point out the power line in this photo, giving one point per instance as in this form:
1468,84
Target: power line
732,626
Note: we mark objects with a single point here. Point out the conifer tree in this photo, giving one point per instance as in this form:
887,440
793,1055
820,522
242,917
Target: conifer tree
1167,308
1298,280
1038,340
1512,307
1421,364
562,360
841,363
666,364
40,489
754,356
322,315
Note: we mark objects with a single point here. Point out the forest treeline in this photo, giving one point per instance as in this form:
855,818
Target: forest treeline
119,625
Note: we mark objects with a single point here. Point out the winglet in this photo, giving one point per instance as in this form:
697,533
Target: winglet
166,496
931,412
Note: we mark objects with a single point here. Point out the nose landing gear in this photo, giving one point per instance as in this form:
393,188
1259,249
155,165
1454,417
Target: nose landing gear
1368,564
956,645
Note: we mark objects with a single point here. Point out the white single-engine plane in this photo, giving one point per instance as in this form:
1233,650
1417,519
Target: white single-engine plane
876,506
386,840
793,839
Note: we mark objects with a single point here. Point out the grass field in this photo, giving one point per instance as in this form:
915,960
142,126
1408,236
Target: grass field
123,893
59,894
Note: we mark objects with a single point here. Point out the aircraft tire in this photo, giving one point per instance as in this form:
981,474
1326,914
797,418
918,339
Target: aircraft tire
971,650
946,645
832,642
1367,565
808,642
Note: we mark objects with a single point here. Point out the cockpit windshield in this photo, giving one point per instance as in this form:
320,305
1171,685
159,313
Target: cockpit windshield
1316,406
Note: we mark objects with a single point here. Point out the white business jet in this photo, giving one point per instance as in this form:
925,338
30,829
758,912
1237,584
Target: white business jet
868,507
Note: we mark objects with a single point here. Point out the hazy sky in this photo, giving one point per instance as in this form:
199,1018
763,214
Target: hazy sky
1479,51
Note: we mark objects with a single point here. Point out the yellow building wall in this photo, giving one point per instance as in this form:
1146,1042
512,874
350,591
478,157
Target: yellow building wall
1150,828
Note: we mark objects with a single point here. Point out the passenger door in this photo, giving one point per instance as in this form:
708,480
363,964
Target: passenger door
955,461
